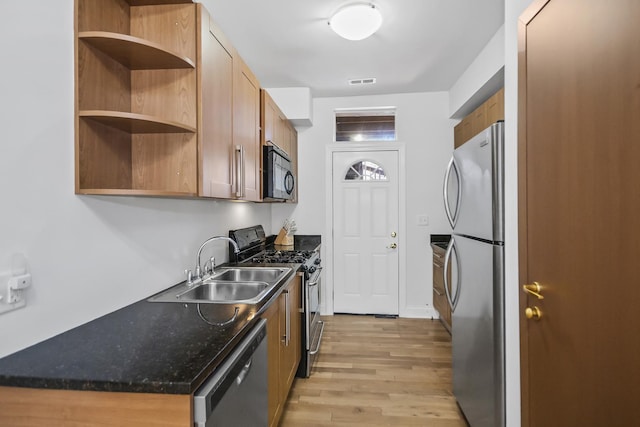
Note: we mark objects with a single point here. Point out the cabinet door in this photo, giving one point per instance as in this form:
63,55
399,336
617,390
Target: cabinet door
439,297
495,107
467,128
267,117
283,134
458,134
290,356
246,127
272,314
478,121
216,139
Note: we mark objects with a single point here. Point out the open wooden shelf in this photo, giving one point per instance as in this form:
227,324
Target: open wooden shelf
130,192
135,53
135,123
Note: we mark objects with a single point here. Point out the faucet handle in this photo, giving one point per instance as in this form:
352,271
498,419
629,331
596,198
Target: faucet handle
212,265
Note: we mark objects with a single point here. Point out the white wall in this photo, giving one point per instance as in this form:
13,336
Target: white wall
482,78
426,132
88,255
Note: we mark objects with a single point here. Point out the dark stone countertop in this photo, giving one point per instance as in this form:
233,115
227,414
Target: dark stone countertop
146,347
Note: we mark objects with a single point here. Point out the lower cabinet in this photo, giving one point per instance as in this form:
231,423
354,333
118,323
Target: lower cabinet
37,407
283,346
440,302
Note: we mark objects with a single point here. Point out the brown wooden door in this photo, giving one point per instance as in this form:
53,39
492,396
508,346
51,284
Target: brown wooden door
579,135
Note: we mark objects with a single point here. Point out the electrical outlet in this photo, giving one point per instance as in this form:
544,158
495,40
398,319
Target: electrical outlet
10,299
423,220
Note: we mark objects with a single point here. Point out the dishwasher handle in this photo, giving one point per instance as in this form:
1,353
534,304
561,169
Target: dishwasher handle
243,374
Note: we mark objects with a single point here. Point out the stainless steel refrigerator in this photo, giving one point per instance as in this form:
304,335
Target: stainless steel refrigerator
474,202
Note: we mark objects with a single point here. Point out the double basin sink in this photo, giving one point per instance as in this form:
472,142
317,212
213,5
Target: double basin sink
231,285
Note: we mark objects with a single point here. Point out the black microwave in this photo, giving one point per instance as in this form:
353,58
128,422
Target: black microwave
278,181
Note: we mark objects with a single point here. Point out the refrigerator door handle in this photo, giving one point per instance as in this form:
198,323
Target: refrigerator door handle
452,218
452,300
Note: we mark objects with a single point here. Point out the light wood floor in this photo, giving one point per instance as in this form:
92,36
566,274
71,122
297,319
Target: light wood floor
373,372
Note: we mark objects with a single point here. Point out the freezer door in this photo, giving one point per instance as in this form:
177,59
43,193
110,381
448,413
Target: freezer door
480,166
478,332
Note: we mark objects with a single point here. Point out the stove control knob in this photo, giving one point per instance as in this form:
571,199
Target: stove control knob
312,269
317,261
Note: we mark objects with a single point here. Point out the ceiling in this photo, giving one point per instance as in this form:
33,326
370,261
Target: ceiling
422,46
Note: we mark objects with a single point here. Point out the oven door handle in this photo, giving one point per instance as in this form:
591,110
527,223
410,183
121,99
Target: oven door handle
319,339
317,278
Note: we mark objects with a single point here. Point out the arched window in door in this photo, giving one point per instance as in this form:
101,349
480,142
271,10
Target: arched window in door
365,170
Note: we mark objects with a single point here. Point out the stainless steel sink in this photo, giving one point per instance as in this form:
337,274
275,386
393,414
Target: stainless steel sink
235,285
250,274
229,292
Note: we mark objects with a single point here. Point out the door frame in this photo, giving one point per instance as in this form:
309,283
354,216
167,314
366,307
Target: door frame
523,21
327,296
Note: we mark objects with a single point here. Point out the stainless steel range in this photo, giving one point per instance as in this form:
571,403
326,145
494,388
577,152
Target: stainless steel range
256,248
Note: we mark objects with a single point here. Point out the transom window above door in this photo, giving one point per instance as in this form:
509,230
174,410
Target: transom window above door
370,124
365,170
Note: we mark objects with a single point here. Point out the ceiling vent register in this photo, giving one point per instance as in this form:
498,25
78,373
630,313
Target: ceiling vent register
367,81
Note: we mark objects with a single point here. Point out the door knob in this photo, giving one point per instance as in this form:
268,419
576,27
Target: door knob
533,289
393,246
533,313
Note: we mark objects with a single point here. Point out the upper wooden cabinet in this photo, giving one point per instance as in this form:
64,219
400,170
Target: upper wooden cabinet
246,130
278,130
229,116
275,125
164,104
481,118
136,98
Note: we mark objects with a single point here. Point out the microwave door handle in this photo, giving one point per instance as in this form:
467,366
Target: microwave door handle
289,179
239,157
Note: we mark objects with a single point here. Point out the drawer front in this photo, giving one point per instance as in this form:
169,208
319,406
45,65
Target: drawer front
438,273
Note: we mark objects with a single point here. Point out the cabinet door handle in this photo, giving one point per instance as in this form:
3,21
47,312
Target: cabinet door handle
239,157
287,328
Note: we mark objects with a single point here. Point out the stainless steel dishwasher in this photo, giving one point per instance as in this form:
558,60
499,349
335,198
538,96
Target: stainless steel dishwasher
236,394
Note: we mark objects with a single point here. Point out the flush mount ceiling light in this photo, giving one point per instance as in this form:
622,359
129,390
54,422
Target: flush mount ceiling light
356,21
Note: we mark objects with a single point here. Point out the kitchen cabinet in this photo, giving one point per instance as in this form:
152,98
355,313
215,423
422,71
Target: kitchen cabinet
283,346
276,127
135,97
479,119
165,105
440,302
35,407
230,118
278,130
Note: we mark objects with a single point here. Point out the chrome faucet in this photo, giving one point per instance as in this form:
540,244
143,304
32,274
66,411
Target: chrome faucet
198,273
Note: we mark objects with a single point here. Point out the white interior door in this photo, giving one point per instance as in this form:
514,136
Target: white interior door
365,194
